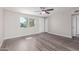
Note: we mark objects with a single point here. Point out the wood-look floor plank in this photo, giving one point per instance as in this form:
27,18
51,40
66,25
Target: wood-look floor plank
41,42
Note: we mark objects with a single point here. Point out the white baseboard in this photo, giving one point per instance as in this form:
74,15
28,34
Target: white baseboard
19,36
61,35
1,41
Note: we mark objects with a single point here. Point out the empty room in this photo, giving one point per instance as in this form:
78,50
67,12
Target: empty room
39,29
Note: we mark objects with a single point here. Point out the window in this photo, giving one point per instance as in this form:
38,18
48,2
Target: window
31,22
25,22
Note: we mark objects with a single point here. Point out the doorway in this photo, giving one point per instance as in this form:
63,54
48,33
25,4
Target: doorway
75,25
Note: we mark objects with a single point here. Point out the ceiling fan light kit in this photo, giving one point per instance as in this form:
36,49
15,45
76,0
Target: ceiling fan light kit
43,13
45,10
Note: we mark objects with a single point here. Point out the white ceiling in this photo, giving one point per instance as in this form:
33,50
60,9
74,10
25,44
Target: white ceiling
32,10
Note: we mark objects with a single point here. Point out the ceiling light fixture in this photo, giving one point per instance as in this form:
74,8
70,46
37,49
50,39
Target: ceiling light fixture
43,13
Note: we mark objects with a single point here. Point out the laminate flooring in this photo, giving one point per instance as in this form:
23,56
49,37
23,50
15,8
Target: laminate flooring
41,42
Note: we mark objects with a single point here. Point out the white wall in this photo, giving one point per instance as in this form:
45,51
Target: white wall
12,25
1,23
74,25
77,24
1,26
60,24
46,24
40,24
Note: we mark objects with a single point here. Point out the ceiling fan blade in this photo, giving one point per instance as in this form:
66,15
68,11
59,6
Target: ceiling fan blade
49,9
47,12
42,7
37,11
76,11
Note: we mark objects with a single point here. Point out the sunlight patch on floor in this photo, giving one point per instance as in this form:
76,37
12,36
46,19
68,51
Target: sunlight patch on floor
30,38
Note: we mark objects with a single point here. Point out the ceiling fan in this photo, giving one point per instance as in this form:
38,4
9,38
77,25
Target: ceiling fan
45,10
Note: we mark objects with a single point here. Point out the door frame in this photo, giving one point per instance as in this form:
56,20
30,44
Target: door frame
72,25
